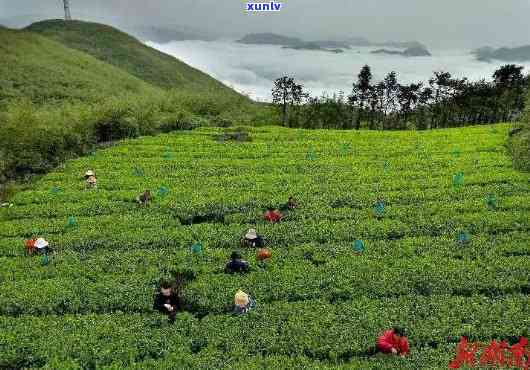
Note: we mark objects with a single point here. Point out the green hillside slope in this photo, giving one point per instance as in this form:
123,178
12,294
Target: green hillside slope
46,71
124,51
77,100
446,255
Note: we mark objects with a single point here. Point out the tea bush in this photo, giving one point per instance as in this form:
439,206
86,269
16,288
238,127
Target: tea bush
320,302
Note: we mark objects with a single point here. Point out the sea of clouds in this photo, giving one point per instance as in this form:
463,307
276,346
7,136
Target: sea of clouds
251,69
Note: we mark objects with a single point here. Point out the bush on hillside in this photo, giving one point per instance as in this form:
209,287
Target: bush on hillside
37,138
519,146
519,141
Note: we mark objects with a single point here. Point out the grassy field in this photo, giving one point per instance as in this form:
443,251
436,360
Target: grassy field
127,53
319,304
46,72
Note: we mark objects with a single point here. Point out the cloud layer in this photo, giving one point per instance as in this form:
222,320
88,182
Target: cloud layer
253,68
470,23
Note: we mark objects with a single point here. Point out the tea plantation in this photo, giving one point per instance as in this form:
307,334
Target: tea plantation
443,217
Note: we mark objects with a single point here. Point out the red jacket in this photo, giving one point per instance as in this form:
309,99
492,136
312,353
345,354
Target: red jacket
386,342
30,245
273,216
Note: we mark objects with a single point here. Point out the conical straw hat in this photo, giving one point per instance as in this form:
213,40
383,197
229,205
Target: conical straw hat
241,298
41,243
251,234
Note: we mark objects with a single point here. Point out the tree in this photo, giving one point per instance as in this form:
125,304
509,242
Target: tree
361,93
286,93
408,96
391,90
510,85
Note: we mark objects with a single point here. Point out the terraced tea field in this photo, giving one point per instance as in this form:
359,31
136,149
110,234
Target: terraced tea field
446,251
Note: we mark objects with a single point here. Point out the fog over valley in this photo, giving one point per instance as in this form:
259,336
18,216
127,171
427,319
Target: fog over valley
251,69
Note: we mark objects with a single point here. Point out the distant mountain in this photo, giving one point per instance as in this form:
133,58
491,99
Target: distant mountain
402,44
412,48
518,54
270,39
361,41
294,42
409,52
314,46
386,51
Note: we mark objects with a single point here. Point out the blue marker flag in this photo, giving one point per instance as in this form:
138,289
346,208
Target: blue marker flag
196,248
358,246
379,208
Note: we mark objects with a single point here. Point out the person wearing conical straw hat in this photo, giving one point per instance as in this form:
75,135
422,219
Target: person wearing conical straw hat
42,246
91,181
243,302
252,239
89,173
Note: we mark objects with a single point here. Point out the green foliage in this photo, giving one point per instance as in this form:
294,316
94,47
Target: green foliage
128,54
322,301
57,103
46,72
519,141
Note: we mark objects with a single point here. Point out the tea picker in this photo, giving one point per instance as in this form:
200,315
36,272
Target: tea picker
144,198
167,300
39,246
90,179
393,341
273,215
236,264
263,254
243,302
289,206
252,239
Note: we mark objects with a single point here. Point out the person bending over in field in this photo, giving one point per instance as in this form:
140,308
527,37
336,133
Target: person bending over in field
252,239
39,246
168,301
243,303
273,215
89,173
144,198
289,206
236,264
393,341
91,182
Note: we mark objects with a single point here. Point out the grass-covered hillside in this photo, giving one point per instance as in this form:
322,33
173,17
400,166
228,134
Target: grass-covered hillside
45,71
124,51
446,252
67,87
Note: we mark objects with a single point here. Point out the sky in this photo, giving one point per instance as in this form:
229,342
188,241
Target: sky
447,23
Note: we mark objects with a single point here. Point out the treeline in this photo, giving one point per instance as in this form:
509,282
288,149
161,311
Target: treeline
444,101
